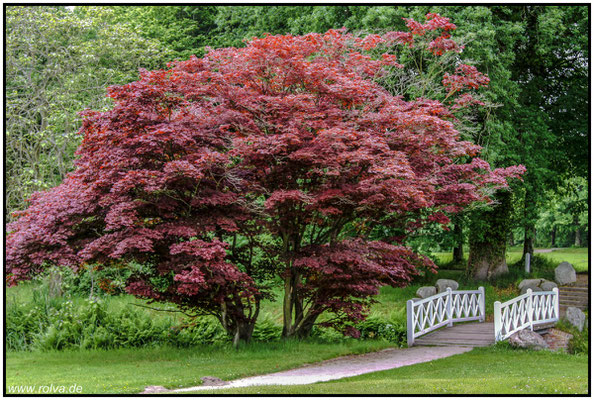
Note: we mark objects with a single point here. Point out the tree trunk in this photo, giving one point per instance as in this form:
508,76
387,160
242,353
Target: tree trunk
554,236
288,307
458,254
304,329
578,239
243,332
488,240
529,235
530,218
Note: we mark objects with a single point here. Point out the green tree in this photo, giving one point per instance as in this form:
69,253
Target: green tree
58,62
551,120
183,30
564,219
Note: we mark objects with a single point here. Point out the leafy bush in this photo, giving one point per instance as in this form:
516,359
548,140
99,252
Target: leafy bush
392,329
92,282
266,330
64,323
327,335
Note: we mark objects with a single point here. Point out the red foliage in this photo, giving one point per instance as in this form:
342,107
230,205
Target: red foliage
341,277
466,77
289,136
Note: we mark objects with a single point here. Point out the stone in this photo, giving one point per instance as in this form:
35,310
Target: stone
547,286
442,285
557,339
154,389
212,381
530,283
426,291
575,317
527,339
565,274
534,289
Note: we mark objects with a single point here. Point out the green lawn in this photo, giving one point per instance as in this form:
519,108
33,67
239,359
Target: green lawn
578,257
130,370
444,258
493,370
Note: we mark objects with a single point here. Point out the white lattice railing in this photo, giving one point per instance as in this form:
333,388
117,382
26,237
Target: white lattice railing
525,311
426,315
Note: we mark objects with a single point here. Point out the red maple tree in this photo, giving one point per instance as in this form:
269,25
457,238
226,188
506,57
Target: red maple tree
285,158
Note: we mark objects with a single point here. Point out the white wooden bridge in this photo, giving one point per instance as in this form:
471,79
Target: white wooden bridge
431,321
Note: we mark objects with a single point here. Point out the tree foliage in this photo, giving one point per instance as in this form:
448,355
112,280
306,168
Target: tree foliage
289,138
58,63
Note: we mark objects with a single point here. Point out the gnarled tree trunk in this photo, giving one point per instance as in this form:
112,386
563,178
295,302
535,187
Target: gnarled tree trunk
488,240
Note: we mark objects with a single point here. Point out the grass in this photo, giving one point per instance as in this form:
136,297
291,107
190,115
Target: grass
491,370
130,370
578,257
445,258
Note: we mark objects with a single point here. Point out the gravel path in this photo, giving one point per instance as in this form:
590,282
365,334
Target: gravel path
342,367
546,250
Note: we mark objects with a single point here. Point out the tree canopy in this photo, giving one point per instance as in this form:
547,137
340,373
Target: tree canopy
287,148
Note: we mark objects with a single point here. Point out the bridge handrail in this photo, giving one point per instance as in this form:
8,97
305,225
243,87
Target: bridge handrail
525,311
445,308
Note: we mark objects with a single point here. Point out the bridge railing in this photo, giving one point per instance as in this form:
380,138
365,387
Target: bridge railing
426,315
525,311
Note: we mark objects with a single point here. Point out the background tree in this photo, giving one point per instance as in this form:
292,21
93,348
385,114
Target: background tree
57,63
565,221
554,77
183,30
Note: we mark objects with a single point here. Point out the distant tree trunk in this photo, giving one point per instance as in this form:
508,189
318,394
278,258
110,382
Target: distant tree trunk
529,235
458,254
530,217
553,235
488,240
578,239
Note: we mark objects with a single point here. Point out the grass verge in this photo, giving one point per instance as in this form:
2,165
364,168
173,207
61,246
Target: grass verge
130,370
492,370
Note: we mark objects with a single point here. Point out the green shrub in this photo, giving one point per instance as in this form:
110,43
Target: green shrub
327,335
266,330
56,324
392,329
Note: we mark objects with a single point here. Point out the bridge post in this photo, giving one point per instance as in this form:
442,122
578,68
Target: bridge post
497,319
449,307
482,304
556,302
410,324
529,308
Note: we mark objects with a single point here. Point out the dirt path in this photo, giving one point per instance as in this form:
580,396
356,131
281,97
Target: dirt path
546,250
337,368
